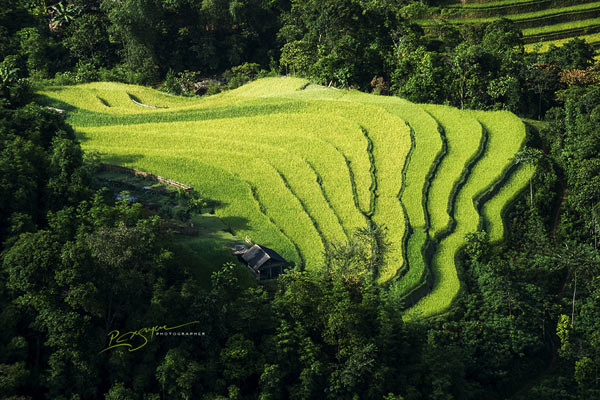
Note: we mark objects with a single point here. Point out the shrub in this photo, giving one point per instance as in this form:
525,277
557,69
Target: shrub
14,89
213,88
183,83
64,78
477,245
296,57
171,83
237,76
85,72
116,74
187,81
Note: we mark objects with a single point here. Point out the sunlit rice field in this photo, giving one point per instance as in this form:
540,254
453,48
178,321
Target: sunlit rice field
295,166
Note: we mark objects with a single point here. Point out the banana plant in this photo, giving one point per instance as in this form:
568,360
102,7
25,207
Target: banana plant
62,14
8,76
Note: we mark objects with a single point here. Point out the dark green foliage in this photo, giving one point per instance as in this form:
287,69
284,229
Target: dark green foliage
335,326
477,245
180,35
337,42
576,144
419,76
241,74
41,167
529,156
42,55
571,135
14,89
575,54
478,67
87,41
13,16
171,83
75,264
343,43
472,67
501,37
296,57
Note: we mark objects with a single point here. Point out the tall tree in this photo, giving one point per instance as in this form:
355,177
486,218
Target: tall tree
531,157
580,259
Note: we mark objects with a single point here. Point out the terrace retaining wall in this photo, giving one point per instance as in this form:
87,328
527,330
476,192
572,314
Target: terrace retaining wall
143,174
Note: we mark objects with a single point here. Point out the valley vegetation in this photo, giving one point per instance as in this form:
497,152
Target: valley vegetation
439,251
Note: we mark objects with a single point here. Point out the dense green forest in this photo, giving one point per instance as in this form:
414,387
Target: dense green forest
77,263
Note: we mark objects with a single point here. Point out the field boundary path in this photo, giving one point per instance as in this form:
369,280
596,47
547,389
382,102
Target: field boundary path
143,174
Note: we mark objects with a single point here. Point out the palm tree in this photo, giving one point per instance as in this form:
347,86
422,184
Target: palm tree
531,157
580,259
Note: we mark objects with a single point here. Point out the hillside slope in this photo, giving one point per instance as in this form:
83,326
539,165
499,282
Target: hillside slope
297,167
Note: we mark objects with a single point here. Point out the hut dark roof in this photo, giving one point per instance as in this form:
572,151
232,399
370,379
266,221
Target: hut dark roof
256,256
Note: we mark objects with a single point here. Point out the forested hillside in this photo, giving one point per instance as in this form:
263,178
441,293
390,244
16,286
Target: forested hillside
435,188
544,22
199,46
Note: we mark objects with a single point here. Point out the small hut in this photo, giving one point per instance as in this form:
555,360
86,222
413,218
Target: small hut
262,261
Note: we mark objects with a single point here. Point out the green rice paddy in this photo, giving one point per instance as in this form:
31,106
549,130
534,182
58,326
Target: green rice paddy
542,21
295,166
532,15
543,46
564,26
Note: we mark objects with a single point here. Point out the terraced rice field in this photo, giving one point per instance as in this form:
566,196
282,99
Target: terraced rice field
296,166
543,46
543,21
